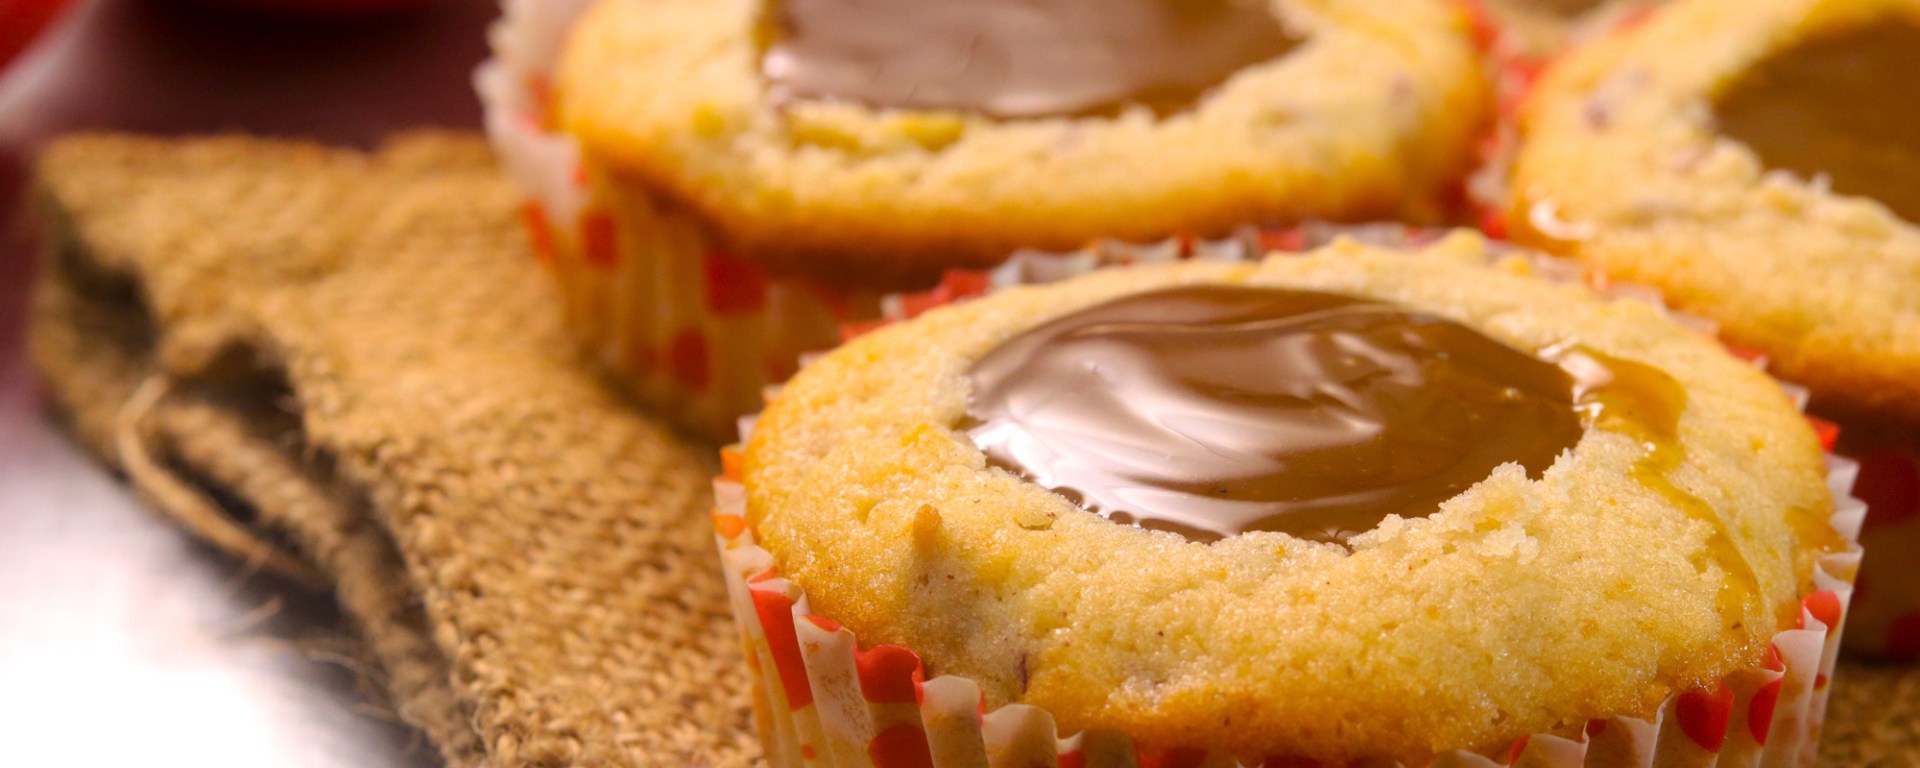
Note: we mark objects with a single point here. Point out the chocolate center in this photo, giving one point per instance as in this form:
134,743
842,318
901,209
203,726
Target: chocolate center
1212,411
1847,106
1014,58
1565,8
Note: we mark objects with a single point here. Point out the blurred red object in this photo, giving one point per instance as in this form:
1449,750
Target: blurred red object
175,67
21,21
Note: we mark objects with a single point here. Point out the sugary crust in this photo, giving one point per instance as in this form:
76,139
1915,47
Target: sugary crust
1372,117
1522,606
1621,166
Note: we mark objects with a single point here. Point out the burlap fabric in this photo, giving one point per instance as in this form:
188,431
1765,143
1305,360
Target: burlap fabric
355,362
348,369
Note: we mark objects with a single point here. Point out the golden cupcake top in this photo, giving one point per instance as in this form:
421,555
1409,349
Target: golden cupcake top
898,140
1749,159
1647,536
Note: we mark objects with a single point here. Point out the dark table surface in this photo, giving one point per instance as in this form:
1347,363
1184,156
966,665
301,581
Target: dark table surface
122,641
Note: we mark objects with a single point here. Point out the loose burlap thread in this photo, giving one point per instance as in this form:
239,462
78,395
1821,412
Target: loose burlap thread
348,369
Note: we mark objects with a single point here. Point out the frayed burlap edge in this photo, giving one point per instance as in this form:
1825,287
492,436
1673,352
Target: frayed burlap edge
94,356
342,369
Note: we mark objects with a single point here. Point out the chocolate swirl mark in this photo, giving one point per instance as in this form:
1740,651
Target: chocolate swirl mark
1011,59
1217,410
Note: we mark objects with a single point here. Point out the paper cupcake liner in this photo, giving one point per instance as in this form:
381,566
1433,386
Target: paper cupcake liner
822,700
690,329
1885,617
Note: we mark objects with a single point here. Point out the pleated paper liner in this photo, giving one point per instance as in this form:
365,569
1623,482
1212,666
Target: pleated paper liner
822,700
1884,621
693,331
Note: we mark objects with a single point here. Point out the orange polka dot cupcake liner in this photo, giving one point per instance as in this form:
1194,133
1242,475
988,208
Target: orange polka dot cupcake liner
692,330
822,699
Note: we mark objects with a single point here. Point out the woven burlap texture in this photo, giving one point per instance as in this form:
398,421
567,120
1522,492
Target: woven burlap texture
357,359
349,368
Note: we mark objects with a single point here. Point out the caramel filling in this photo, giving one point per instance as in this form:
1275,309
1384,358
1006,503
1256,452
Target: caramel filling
1844,106
1013,58
1645,403
1213,411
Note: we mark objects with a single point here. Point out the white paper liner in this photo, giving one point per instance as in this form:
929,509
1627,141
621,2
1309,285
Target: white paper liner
686,327
526,44
1884,618
819,702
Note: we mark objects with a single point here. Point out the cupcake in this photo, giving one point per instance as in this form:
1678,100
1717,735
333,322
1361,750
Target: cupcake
1364,505
1754,161
719,184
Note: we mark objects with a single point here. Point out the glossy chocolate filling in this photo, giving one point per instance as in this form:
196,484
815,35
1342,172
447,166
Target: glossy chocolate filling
1565,8
1013,58
1213,411
1844,106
